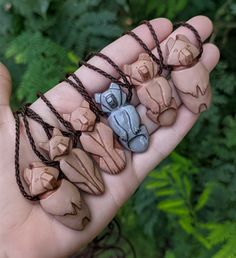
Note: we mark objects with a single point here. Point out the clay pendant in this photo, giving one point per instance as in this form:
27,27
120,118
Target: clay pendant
74,163
104,148
97,139
153,91
66,204
80,169
190,77
82,119
59,198
123,119
40,178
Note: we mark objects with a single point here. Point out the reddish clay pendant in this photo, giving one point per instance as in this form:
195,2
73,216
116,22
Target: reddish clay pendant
66,204
75,163
189,76
58,198
98,140
104,148
82,119
153,91
40,178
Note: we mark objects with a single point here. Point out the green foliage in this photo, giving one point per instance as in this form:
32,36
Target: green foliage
45,61
224,233
173,185
41,36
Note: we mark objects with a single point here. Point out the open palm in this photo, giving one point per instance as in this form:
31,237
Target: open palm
25,229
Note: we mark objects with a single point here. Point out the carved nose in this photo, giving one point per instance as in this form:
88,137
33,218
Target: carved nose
49,182
61,148
143,71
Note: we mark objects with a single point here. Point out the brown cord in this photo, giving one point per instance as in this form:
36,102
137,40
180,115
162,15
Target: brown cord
34,116
17,163
81,89
67,125
129,86
32,142
145,47
100,71
195,32
157,42
110,77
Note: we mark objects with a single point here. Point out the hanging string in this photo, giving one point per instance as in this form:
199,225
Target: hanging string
66,124
145,47
81,89
46,126
17,163
157,43
195,32
32,142
110,77
129,86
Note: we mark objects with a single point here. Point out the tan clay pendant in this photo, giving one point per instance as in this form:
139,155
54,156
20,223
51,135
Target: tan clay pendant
40,178
74,163
59,198
153,91
66,204
189,76
98,140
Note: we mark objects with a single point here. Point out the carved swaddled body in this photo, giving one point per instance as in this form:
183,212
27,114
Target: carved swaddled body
59,198
153,91
123,119
97,139
76,165
156,96
189,76
66,204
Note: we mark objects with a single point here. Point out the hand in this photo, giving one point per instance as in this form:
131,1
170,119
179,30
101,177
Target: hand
25,229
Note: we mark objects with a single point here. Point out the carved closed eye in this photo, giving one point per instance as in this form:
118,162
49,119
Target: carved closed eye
175,50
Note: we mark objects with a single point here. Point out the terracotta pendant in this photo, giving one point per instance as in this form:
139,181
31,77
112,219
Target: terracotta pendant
123,119
104,148
74,163
189,76
59,198
153,91
82,119
66,204
40,178
99,141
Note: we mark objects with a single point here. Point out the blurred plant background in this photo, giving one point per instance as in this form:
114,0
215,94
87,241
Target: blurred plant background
186,208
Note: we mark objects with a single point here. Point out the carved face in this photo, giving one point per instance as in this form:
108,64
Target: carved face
142,70
57,146
40,178
180,52
112,99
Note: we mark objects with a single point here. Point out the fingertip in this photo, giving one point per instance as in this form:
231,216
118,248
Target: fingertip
5,85
211,56
163,24
202,21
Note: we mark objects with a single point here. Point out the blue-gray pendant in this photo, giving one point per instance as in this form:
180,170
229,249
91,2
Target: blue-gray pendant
123,119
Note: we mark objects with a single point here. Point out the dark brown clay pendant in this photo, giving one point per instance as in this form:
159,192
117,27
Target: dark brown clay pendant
189,76
99,142
153,91
74,163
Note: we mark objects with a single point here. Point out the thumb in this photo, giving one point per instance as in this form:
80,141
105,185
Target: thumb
5,93
5,86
